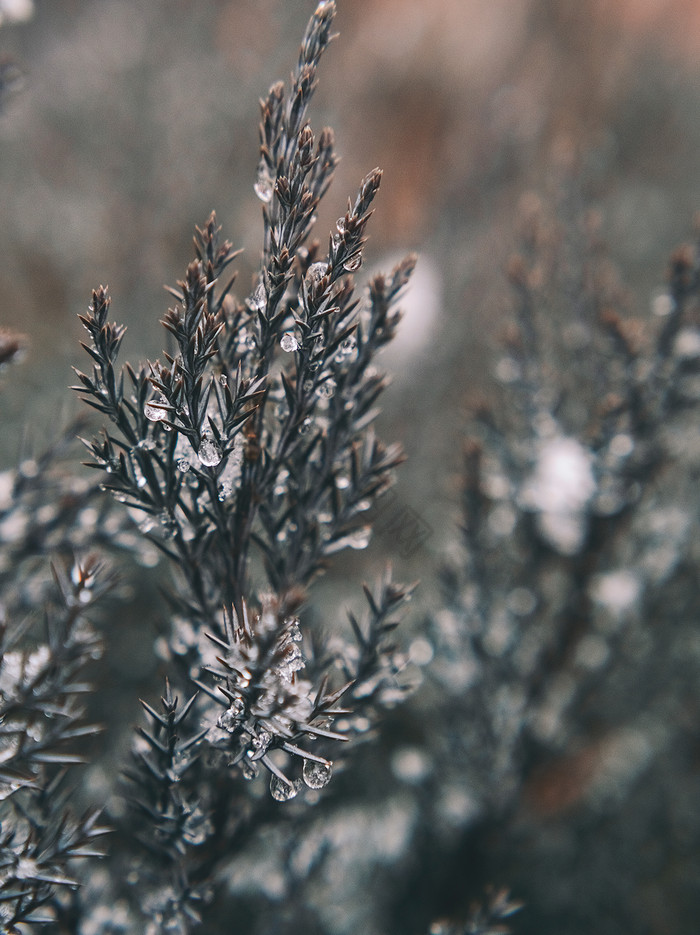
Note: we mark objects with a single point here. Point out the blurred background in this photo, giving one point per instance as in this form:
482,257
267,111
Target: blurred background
134,120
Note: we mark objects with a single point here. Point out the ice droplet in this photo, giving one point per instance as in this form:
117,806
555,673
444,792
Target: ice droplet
263,187
341,225
360,538
316,272
305,426
294,633
26,868
282,791
342,482
259,744
249,769
317,775
168,524
209,452
197,827
223,379
326,390
231,717
183,465
353,263
259,298
153,409
291,662
288,342
347,347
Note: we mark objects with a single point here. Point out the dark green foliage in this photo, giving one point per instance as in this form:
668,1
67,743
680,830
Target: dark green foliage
249,454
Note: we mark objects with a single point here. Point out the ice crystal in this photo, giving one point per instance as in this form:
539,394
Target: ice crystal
288,342
264,187
209,452
317,775
281,790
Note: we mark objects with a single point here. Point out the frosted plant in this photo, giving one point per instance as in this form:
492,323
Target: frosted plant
41,718
247,457
565,608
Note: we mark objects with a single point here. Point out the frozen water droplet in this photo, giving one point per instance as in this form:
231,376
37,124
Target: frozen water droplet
360,538
317,775
288,342
346,347
209,452
353,263
26,869
294,633
197,827
153,409
308,385
223,379
183,465
259,744
313,366
305,426
326,390
249,769
168,524
316,272
292,661
251,343
231,717
281,535
258,300
120,496
340,225
224,490
342,482
282,791
263,187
